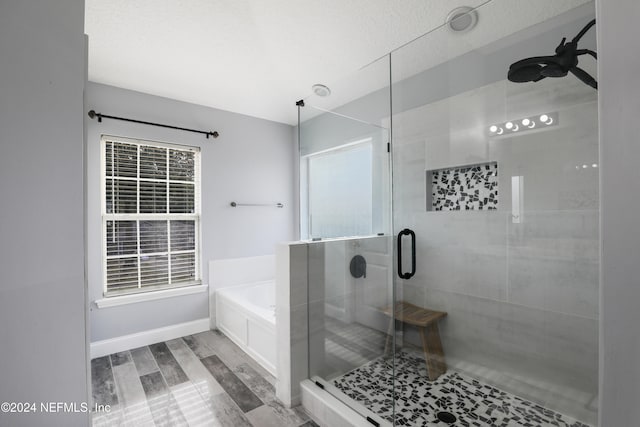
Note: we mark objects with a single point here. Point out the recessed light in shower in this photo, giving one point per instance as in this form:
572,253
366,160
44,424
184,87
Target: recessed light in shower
321,90
462,19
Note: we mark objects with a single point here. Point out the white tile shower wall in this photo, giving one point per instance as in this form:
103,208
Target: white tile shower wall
291,321
517,339
521,298
331,285
374,291
449,138
554,262
345,297
317,291
337,281
463,252
553,161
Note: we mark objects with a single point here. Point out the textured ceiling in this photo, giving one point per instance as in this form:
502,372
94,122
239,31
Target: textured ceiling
257,57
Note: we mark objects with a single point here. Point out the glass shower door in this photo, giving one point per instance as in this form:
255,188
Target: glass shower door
346,219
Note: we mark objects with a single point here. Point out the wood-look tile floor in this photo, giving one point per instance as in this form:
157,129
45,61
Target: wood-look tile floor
197,380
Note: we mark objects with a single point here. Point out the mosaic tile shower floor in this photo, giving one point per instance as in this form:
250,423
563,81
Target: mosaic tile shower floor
418,400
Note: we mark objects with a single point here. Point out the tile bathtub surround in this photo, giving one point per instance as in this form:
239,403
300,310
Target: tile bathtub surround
464,188
201,379
292,333
418,400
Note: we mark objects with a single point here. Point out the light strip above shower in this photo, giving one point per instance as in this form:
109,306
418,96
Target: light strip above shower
510,127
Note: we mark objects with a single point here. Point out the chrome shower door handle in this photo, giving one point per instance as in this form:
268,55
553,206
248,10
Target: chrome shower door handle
410,274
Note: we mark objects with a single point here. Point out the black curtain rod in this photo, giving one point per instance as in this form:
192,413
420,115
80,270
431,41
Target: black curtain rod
101,116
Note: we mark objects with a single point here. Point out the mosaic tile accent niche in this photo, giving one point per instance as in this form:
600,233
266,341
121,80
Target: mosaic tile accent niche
463,188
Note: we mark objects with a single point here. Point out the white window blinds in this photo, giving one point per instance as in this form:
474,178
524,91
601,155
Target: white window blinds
150,216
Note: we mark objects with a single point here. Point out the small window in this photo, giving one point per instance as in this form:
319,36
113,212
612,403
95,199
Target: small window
340,191
150,216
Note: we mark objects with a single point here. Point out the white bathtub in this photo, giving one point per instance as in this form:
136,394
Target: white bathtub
246,314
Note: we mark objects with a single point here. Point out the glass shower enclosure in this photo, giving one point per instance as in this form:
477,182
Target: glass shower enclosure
452,220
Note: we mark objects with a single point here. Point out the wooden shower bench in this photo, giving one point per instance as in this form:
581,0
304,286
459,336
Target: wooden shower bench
427,323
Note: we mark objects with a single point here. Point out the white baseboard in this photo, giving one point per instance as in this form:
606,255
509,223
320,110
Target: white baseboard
139,339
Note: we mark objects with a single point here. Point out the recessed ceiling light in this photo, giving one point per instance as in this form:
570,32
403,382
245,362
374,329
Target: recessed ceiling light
321,90
462,19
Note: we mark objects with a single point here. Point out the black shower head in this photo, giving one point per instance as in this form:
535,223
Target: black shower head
559,65
522,72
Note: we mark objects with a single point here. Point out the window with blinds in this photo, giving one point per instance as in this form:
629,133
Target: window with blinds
150,216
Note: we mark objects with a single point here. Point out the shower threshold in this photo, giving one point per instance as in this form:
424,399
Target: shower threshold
419,402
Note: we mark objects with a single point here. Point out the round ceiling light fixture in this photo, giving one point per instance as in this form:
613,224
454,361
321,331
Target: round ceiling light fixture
321,90
462,19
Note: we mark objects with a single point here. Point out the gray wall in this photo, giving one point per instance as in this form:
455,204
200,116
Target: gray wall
252,162
619,68
42,286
